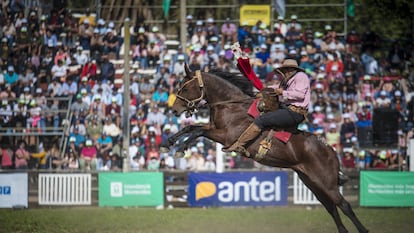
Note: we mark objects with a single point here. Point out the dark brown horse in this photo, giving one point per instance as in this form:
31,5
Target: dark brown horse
229,96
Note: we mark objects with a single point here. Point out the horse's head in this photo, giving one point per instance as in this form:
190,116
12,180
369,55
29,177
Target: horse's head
190,93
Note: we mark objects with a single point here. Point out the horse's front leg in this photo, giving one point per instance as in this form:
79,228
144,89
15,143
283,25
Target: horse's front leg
190,129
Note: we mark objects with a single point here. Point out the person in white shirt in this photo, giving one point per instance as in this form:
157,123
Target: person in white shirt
80,57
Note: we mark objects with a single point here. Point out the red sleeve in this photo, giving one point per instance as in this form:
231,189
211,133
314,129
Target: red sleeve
244,66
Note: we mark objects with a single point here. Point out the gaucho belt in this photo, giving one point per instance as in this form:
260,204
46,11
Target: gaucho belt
300,110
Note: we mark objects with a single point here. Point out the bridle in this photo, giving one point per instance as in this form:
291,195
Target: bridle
192,104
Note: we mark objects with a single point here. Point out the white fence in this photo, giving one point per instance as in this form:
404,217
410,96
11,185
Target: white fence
65,189
301,193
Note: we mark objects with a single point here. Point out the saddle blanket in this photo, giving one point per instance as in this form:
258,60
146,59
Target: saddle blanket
283,136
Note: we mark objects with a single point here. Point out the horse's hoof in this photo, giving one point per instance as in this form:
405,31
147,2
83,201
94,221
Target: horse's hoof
179,154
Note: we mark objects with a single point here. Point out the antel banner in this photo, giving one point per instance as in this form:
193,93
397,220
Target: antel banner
13,190
131,189
387,189
238,189
250,14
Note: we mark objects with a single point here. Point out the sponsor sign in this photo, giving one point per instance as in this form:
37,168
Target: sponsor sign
382,189
131,189
13,190
250,14
238,189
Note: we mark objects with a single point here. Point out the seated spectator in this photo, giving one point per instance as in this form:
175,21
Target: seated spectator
81,58
79,104
363,121
104,144
35,111
383,101
59,71
379,160
111,44
155,116
77,138
50,115
111,129
153,163
72,161
348,160
88,156
333,138
97,43
94,128
85,33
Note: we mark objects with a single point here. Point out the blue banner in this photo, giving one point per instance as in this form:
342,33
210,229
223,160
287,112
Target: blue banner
238,189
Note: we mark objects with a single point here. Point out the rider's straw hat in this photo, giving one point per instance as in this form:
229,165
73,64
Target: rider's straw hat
290,63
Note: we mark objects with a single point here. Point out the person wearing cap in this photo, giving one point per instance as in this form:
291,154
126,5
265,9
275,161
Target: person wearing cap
111,43
49,115
88,156
97,43
80,57
199,39
113,110
293,37
398,102
294,95
211,59
281,26
107,70
179,65
383,100
348,129
59,71
104,144
228,32
85,32
263,60
88,17
294,23
11,77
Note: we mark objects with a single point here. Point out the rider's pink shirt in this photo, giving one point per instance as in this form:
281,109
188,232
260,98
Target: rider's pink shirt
298,91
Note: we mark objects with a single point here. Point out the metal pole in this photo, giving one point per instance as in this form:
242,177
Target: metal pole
183,25
345,19
126,98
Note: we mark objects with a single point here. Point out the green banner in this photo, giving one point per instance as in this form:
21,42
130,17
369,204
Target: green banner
131,189
392,189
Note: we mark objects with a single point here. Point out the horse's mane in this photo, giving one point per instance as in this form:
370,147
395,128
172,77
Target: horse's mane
237,79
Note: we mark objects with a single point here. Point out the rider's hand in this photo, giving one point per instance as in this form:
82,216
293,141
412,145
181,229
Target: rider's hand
279,91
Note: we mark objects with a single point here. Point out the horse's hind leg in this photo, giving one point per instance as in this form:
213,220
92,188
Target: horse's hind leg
347,210
319,190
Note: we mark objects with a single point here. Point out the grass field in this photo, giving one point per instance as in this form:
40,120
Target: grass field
214,220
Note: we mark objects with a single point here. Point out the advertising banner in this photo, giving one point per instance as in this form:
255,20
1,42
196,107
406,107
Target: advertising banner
250,14
131,189
238,189
382,189
13,190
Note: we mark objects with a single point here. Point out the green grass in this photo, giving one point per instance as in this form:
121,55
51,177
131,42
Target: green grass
214,220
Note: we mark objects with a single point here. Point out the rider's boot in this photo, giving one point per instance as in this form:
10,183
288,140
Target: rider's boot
249,134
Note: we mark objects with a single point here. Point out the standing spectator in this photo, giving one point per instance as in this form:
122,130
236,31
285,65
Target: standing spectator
6,154
348,129
22,156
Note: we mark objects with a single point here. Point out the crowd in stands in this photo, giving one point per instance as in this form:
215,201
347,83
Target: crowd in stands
56,55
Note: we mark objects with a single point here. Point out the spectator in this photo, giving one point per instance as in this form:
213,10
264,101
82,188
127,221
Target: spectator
88,156
104,144
228,32
6,154
22,156
348,160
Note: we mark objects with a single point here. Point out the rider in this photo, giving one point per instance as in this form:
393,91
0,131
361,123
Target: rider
294,95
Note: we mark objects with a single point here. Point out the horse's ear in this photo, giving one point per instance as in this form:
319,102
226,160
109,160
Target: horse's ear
187,69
